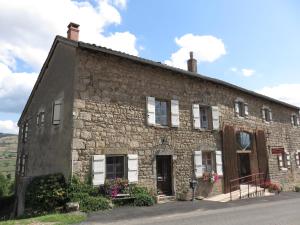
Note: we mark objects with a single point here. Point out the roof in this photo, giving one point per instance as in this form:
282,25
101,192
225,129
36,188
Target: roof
95,48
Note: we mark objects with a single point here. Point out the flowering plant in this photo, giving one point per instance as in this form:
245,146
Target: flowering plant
211,177
116,186
272,187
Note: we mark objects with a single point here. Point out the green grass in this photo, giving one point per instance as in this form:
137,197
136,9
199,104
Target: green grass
53,219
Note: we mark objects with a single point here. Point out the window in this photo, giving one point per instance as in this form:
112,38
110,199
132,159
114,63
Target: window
241,108
298,159
284,160
204,112
244,141
295,120
25,132
40,118
56,112
22,158
267,115
207,162
115,167
161,112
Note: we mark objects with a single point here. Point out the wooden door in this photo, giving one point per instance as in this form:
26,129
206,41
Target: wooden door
262,155
230,157
164,174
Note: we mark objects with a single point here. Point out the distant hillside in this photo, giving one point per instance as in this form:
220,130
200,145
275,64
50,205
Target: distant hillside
8,153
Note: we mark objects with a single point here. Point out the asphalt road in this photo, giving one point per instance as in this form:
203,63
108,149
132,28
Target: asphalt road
277,210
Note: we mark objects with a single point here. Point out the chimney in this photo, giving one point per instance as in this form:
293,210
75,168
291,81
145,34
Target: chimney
192,64
73,31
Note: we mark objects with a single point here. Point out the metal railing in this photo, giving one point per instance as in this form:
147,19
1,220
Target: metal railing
256,180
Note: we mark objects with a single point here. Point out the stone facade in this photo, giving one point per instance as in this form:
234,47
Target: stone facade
105,114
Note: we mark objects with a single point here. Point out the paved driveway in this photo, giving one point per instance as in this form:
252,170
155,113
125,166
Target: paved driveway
276,210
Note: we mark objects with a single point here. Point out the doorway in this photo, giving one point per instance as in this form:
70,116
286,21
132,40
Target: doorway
164,174
244,164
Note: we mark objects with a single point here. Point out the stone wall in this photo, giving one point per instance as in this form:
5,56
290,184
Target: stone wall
110,117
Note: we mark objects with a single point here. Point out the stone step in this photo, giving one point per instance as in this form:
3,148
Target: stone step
160,199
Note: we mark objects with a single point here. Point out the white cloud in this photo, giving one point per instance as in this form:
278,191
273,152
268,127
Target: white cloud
30,27
14,89
285,92
247,72
206,49
8,126
243,72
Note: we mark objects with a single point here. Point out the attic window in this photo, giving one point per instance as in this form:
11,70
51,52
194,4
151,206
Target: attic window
241,108
25,132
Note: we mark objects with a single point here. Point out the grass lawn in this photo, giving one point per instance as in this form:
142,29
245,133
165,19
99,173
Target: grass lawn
52,219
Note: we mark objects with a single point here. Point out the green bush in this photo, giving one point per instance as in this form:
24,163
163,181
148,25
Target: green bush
45,193
91,203
143,199
6,186
135,190
86,195
297,188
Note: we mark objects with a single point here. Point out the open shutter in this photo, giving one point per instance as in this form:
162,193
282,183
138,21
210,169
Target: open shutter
56,112
292,120
246,110
236,108
280,161
288,159
215,117
196,116
297,158
198,164
98,169
263,114
298,122
132,168
151,110
174,113
219,165
271,116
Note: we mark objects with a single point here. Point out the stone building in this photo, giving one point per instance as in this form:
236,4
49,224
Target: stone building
101,114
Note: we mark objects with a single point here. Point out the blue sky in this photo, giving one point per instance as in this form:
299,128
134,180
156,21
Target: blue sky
254,44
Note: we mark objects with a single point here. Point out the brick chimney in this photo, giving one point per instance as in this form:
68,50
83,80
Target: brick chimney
192,64
73,31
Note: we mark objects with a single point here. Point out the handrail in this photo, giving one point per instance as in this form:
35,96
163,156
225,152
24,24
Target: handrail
248,182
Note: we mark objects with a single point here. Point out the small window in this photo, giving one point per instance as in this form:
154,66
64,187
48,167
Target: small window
284,161
267,115
22,158
294,120
42,118
161,112
38,119
244,141
241,108
207,161
115,167
25,132
204,119
56,113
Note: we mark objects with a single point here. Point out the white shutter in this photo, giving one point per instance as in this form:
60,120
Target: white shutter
292,120
133,168
297,158
246,110
151,110
56,112
174,113
263,114
236,108
298,122
98,165
288,159
280,162
196,116
198,164
271,115
219,165
215,117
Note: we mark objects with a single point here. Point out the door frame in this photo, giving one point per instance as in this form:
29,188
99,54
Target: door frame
173,172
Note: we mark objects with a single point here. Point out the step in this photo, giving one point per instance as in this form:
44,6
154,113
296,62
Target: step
235,195
160,199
